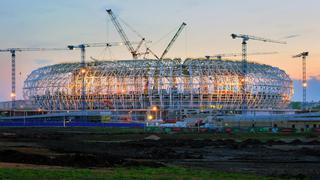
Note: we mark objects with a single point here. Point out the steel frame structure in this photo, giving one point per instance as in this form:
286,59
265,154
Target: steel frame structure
170,85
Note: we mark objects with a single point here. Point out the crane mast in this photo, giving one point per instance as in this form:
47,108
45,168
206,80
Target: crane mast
173,40
13,67
246,38
13,78
304,77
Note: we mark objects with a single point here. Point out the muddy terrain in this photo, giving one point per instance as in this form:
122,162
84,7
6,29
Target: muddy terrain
281,157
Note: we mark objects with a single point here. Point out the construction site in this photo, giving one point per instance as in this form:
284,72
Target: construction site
152,115
212,89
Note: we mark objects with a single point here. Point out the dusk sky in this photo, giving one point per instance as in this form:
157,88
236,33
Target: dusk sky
58,23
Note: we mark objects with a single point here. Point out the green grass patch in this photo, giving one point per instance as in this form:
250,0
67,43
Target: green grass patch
108,134
122,173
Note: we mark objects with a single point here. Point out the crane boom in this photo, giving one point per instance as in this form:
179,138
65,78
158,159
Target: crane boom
301,55
122,34
219,56
31,49
109,44
247,37
173,40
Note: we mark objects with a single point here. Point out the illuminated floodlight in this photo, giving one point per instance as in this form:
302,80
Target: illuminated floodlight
83,71
304,84
154,108
150,117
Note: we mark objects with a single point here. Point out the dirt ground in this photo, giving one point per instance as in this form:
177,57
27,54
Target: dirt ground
297,157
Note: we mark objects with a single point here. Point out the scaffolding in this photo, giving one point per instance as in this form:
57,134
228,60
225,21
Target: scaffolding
132,88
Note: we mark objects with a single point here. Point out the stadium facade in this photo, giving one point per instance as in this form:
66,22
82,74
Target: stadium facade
169,87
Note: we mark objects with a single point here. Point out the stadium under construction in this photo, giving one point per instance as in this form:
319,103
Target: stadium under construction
153,90
169,89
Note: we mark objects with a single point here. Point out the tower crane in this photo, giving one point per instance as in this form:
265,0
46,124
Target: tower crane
219,56
246,38
304,77
82,48
125,39
13,66
173,40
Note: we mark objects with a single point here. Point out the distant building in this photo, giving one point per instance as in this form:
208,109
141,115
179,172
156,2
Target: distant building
20,105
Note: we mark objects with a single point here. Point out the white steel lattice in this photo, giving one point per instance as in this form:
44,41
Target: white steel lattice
168,84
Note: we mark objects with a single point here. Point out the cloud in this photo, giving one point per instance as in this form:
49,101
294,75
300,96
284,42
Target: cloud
312,90
291,36
310,78
316,77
